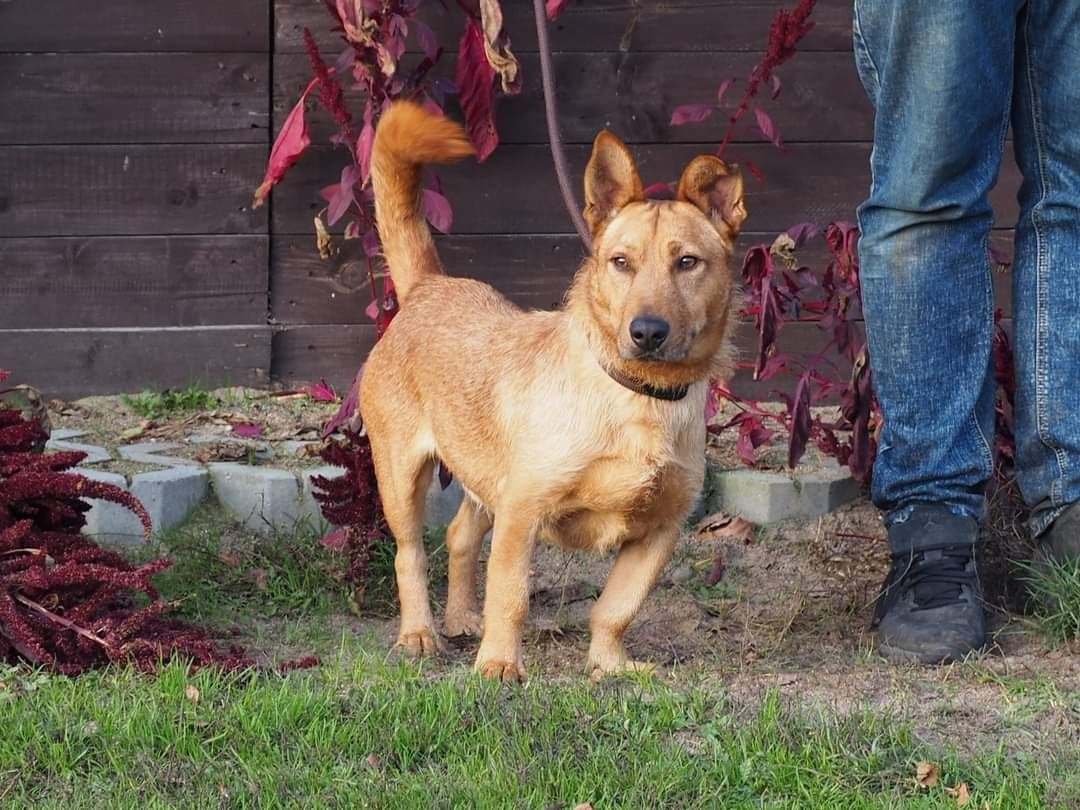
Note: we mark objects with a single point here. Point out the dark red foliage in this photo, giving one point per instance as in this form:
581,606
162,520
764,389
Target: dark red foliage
331,96
351,501
1005,376
780,291
65,602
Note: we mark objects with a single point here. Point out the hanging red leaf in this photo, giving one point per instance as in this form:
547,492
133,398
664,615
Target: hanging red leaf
363,151
802,233
291,142
767,127
429,43
372,310
475,78
437,210
555,8
690,114
345,195
801,421
723,88
350,406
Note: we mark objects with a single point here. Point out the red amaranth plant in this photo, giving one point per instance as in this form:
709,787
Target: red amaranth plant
65,602
371,68
785,32
780,291
351,502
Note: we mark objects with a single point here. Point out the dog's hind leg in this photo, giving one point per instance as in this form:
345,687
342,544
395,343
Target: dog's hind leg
403,484
636,568
464,537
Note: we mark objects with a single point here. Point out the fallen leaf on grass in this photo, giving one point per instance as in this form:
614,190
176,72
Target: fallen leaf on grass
927,774
960,793
229,559
260,577
583,806
722,526
191,692
372,761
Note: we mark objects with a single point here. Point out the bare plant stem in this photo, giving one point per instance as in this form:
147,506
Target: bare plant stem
558,154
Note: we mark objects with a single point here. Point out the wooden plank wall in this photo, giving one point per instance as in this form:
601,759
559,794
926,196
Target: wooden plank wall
131,136
620,64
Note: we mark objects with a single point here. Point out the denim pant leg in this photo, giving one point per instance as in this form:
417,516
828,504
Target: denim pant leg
1046,273
940,77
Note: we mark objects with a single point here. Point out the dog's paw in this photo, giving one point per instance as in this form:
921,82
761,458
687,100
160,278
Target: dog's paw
463,623
506,671
423,641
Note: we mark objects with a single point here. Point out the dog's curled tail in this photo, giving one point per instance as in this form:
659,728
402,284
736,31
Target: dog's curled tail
408,136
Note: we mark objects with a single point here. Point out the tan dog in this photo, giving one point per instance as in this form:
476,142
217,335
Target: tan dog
583,426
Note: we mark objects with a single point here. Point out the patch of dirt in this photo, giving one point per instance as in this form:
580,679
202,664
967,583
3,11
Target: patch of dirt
792,611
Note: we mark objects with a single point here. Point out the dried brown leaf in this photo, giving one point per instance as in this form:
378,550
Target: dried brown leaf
960,793
927,774
191,692
722,526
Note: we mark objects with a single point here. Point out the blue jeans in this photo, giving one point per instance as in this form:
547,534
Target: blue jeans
946,77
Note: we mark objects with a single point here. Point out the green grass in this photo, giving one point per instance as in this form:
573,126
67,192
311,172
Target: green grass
365,729
154,405
221,573
1055,591
360,733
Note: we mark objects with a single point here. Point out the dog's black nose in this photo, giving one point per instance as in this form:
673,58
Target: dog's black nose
649,333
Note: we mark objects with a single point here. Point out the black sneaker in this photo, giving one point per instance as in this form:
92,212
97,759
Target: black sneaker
930,610
1061,542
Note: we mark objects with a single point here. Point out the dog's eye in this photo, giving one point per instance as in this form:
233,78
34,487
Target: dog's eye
688,262
620,262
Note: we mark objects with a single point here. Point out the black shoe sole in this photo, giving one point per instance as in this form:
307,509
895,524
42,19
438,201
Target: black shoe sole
898,655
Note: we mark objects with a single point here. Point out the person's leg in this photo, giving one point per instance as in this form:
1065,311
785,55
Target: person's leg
1046,274
940,77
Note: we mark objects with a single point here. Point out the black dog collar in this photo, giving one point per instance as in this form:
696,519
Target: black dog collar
638,387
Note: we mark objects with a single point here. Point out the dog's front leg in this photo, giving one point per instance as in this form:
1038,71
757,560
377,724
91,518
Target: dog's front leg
506,600
636,568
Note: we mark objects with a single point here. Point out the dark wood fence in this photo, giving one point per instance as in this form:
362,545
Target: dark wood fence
133,133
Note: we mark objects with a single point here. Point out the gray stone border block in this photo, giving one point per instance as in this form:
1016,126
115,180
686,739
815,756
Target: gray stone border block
94,454
170,495
65,434
440,505
767,497
110,523
264,499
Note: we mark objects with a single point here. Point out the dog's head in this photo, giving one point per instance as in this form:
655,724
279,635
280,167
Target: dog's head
659,287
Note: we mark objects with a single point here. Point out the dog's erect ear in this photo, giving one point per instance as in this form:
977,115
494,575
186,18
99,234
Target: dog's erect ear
611,181
717,190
